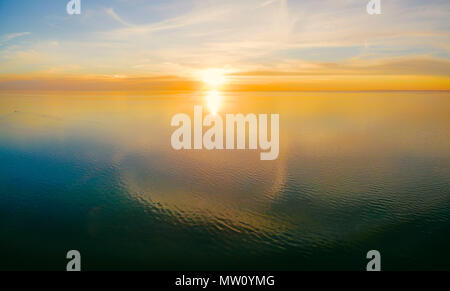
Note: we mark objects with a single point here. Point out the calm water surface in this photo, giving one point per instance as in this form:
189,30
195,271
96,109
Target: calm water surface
356,172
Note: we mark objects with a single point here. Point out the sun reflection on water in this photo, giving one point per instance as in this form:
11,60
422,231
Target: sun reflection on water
214,101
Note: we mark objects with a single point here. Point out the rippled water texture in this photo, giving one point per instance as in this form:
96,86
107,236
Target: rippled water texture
356,172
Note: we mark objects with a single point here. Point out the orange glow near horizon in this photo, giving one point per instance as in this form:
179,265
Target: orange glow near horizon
211,80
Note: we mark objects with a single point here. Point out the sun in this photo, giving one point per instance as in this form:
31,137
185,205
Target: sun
213,78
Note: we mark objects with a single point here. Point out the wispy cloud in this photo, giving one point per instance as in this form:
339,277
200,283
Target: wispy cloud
8,37
113,14
405,66
269,2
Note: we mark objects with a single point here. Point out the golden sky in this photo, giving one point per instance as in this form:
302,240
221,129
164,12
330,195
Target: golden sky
254,45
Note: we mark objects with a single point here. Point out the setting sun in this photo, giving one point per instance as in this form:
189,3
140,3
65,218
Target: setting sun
213,77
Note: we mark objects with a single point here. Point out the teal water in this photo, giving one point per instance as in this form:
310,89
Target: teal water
356,172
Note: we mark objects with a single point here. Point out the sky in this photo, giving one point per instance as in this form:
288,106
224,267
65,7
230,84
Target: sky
268,45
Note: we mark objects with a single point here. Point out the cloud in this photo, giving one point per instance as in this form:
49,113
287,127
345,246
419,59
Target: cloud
8,37
196,17
113,14
405,66
269,2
